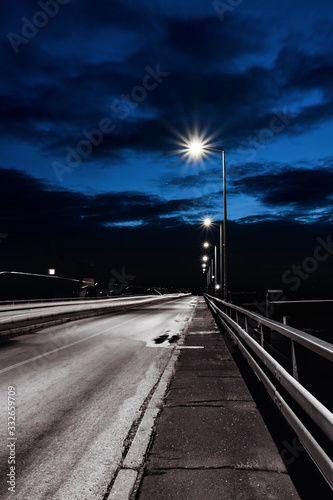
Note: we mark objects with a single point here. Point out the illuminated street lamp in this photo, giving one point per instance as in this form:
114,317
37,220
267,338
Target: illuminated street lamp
205,258
197,148
206,244
207,221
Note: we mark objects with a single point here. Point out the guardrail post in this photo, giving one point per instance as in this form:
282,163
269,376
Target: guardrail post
294,361
261,335
246,324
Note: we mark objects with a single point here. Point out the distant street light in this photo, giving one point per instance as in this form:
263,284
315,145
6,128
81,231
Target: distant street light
206,244
207,221
197,148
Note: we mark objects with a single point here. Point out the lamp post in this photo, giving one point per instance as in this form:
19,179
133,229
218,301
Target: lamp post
196,148
223,233
215,266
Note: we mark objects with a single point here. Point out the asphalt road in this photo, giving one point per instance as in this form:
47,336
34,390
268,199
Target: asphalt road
78,390
16,312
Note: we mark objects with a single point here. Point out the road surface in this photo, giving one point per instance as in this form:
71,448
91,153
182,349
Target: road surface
78,390
15,312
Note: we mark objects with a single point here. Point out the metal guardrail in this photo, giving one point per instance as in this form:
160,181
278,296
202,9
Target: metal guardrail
279,372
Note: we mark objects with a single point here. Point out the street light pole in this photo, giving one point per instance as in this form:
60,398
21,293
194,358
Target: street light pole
223,233
196,147
220,256
215,268
211,268
225,282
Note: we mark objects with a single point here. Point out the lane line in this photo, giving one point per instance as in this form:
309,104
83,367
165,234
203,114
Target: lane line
68,345
190,347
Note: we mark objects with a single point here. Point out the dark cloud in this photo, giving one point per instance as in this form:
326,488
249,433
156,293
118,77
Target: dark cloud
305,71
302,188
56,87
27,199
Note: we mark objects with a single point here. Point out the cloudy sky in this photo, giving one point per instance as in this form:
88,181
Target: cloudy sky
98,100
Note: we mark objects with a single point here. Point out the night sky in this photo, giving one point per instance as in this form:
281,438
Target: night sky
98,99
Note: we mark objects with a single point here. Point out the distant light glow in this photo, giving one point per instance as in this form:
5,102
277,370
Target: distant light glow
51,271
205,258
206,244
207,221
217,287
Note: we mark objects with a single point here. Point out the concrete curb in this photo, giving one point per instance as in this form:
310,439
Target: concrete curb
123,485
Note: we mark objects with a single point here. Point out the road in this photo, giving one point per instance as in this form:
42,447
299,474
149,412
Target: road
16,312
78,390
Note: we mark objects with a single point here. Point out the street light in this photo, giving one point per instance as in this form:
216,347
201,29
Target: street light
220,266
206,244
207,221
197,148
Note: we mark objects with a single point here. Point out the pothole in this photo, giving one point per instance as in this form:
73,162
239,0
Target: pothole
174,339
160,339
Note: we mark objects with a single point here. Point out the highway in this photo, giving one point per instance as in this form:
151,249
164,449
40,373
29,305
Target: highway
16,311
78,390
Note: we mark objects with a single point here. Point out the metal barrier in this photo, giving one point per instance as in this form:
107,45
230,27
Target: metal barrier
279,355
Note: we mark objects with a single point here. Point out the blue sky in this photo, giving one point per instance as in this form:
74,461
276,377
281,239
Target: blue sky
96,97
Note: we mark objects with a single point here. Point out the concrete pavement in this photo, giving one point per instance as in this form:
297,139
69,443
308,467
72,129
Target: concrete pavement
211,442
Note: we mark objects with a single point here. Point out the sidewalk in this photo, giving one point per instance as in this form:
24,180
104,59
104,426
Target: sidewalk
211,441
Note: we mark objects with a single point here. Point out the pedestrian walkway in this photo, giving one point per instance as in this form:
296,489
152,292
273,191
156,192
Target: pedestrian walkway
211,442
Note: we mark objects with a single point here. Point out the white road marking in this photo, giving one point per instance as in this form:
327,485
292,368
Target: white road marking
190,347
205,331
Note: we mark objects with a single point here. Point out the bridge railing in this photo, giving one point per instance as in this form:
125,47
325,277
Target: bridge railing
296,369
